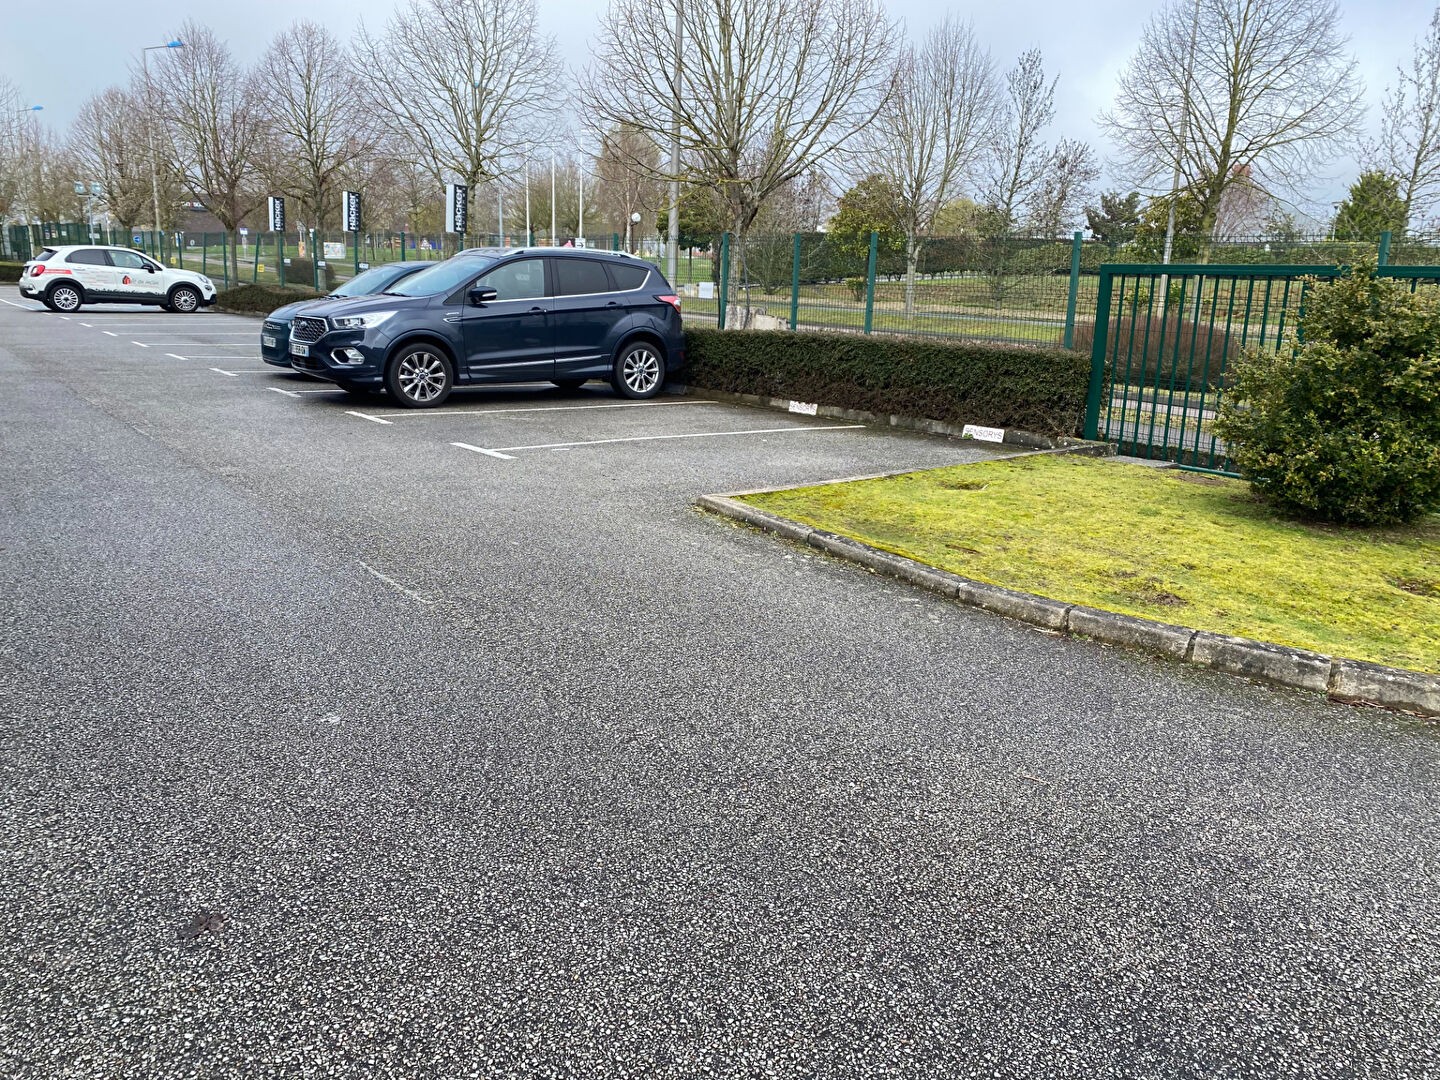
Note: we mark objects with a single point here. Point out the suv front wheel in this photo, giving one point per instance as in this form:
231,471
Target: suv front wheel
420,377
64,297
639,370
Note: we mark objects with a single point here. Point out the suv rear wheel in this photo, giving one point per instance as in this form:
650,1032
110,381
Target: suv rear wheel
420,377
639,370
64,297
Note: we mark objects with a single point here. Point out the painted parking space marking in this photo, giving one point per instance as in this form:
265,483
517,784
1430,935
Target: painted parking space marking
222,371
543,408
109,333
281,390
22,307
482,450
173,356
140,343
396,585
684,435
367,416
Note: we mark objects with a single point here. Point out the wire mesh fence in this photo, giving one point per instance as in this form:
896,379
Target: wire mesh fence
1011,289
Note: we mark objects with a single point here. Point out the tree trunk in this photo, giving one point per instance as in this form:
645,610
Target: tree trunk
233,236
912,260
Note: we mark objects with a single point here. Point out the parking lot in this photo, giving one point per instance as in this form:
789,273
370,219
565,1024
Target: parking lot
347,740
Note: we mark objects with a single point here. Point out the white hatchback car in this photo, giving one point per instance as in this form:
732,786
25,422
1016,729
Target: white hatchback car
63,278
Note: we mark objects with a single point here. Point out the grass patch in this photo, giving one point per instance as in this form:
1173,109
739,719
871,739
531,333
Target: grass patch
1159,543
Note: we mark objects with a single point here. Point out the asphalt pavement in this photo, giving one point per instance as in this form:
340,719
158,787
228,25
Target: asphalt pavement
345,742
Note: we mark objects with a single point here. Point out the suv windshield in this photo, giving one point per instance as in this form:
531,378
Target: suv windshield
368,281
442,278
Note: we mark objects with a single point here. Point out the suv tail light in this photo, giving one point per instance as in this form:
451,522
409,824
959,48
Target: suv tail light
671,299
40,269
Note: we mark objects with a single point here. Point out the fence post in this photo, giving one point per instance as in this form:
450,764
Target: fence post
357,250
225,258
255,266
1384,256
280,257
870,281
1074,291
724,277
205,253
795,284
1097,356
314,263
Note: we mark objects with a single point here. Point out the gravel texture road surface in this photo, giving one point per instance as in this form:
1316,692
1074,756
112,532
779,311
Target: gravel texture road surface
333,748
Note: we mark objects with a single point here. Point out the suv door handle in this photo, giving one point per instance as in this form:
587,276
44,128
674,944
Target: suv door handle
613,303
536,309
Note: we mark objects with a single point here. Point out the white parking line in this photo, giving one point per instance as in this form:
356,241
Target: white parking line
243,371
287,393
140,343
686,435
22,307
174,357
87,324
109,333
232,374
395,584
543,408
367,416
482,450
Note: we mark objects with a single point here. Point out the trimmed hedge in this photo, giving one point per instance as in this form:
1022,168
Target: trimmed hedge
261,299
1037,390
10,272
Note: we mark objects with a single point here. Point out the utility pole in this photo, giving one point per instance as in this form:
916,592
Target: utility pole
150,122
1179,159
673,261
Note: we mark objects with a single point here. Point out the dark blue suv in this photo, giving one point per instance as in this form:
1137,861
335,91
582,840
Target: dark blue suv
562,315
275,333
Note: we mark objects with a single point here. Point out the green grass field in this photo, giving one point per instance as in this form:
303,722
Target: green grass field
1163,544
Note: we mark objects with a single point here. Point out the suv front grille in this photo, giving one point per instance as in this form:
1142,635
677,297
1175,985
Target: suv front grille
306,329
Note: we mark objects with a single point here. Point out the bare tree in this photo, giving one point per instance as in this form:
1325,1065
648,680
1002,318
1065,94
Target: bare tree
626,181
214,122
1020,160
317,115
1057,205
460,85
769,89
1267,84
12,134
108,142
1410,126
931,130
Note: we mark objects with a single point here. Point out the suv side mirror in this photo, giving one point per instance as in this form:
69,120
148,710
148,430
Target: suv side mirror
149,269
483,294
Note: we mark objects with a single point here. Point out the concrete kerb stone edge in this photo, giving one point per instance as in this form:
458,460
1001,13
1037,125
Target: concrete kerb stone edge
1349,681
1027,439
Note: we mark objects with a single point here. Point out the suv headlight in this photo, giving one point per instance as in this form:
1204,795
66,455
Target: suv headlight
360,322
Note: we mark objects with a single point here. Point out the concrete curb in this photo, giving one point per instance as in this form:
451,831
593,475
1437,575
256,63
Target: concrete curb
1348,681
1010,437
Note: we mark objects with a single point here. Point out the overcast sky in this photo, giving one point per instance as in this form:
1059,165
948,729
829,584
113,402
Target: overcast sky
58,54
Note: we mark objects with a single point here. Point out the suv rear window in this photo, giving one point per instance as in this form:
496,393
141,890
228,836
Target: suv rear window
46,253
628,277
580,277
88,256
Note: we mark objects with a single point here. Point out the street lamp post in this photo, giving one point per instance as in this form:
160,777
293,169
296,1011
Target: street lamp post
150,123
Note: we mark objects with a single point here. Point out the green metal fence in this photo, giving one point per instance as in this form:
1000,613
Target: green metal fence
1164,340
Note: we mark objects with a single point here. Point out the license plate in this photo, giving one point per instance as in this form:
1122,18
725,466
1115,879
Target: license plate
267,341
299,350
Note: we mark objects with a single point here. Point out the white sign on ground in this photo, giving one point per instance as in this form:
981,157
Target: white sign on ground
984,434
